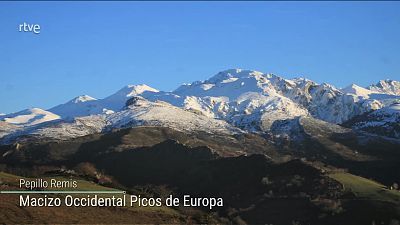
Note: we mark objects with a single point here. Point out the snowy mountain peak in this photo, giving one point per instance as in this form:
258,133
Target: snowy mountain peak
231,84
29,117
82,98
356,90
85,105
118,100
232,73
390,87
133,90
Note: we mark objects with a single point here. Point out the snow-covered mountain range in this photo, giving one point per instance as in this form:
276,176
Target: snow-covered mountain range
229,102
390,87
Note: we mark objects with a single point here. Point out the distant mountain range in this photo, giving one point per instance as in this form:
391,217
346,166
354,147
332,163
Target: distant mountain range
232,101
279,151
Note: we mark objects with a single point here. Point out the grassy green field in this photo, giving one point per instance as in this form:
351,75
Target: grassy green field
366,189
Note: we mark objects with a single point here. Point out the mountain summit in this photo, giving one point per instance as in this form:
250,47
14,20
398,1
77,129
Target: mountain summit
248,100
29,117
390,87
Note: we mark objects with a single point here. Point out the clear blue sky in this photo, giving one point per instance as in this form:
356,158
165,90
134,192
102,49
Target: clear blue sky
95,48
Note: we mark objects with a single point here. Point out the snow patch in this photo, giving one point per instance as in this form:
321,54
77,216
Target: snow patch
357,90
82,98
29,117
